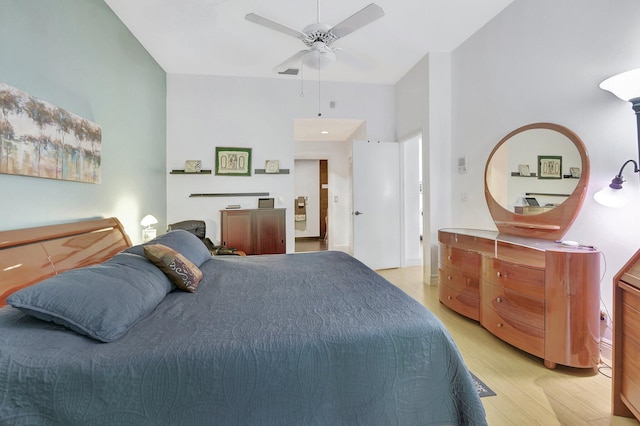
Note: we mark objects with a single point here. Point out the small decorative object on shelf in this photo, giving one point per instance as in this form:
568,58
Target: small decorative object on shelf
575,172
523,169
272,166
192,166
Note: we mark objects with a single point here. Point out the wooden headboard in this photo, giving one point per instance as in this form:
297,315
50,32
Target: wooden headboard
30,255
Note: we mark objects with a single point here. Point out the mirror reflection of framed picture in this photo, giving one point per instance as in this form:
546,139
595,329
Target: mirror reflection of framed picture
523,170
575,172
549,167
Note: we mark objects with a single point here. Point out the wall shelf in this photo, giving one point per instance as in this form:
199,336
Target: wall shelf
232,194
263,172
182,172
517,174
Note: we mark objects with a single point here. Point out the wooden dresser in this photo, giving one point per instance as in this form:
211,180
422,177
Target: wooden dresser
534,294
254,231
626,340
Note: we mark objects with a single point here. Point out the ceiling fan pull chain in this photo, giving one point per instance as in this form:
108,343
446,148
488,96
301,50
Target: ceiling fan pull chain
301,79
319,112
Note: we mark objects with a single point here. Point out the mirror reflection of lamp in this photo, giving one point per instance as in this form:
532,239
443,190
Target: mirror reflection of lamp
625,86
148,233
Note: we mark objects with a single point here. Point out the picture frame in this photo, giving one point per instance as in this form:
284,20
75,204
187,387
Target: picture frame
272,166
575,172
231,161
266,203
192,166
549,167
523,170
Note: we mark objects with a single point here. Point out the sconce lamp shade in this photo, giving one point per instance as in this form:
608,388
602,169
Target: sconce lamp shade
148,220
614,195
611,197
626,85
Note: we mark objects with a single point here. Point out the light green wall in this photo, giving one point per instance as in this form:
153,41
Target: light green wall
77,55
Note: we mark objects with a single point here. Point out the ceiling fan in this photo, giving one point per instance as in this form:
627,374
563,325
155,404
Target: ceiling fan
319,38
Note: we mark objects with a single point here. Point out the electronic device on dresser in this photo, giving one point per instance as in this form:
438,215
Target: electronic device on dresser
520,282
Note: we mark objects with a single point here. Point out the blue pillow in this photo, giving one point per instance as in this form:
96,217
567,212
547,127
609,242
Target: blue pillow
182,241
101,301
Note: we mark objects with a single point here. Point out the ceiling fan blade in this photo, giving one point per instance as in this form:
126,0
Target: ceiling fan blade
257,19
294,61
358,20
355,60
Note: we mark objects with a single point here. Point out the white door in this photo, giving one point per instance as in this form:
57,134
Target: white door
376,204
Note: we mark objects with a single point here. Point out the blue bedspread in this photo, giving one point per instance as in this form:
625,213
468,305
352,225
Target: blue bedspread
298,339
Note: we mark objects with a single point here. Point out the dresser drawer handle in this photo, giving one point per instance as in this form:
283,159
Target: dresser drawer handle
449,257
498,299
500,325
498,274
449,277
449,298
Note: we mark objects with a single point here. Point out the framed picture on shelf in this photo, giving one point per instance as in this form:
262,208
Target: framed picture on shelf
272,166
192,166
575,172
523,170
549,167
233,161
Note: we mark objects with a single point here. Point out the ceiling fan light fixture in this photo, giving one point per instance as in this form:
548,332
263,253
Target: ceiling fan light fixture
319,59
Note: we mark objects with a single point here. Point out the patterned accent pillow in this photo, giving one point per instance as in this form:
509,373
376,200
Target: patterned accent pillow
180,270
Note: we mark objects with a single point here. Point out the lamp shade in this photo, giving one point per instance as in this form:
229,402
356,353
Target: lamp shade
148,220
610,197
626,85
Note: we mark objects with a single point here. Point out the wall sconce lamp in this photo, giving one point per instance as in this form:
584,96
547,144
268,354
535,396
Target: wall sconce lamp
148,233
626,86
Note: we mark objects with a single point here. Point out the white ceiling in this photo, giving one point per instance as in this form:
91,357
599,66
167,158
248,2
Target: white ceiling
211,37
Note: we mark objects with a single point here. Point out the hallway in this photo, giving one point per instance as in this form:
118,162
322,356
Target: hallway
305,244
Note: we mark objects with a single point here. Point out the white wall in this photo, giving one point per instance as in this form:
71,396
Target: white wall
207,111
423,106
76,54
542,60
307,184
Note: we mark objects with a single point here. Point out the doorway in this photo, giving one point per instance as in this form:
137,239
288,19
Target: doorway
311,205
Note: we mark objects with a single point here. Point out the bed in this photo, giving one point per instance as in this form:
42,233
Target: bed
293,339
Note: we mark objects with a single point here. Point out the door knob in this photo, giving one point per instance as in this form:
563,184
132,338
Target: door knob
357,213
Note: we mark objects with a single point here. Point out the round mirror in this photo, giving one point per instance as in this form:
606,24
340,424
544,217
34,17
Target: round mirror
536,179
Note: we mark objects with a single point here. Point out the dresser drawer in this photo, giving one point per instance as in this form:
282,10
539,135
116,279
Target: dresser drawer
528,281
513,306
630,372
631,314
464,260
517,333
459,280
463,302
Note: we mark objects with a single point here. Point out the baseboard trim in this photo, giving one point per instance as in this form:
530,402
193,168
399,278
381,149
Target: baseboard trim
606,350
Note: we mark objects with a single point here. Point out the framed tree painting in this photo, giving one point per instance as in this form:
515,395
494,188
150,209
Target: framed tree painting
233,161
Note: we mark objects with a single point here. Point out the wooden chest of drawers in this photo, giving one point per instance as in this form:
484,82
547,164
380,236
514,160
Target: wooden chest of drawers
538,296
626,340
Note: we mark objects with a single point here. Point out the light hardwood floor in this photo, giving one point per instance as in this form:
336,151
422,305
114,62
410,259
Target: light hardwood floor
527,392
